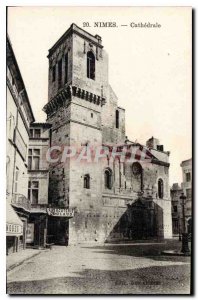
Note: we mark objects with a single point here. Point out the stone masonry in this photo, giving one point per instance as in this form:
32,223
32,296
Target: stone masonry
134,201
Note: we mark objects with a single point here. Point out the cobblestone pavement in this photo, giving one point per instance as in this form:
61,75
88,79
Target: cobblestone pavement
103,269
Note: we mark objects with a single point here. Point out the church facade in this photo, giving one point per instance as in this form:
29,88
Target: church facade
112,199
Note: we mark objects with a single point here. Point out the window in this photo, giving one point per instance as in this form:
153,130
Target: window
188,177
33,191
188,193
117,118
13,83
90,65
35,133
136,168
7,171
108,179
175,208
138,174
59,72
160,188
33,159
66,68
160,147
87,181
175,226
31,133
54,73
16,180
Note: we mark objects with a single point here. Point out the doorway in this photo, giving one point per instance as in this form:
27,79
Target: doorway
58,231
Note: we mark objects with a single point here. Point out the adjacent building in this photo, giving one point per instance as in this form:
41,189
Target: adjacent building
19,117
26,168
186,185
176,192
177,204
38,181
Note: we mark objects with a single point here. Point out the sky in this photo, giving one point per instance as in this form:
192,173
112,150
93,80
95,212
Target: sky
149,69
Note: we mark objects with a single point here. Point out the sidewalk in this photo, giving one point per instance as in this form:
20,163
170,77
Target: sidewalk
15,259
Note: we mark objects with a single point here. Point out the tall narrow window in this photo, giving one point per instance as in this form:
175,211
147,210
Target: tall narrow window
54,73
7,171
37,133
138,173
160,189
188,177
175,208
66,67
117,118
33,159
188,193
33,191
59,72
108,179
31,133
90,65
16,180
87,181
13,80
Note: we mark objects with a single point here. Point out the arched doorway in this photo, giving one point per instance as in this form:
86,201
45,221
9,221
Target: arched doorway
143,220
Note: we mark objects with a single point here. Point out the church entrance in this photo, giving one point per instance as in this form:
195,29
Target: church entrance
143,220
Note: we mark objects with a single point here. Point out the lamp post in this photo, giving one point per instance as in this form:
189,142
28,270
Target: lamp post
179,224
185,248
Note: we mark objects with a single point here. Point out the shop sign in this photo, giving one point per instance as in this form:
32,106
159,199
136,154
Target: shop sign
60,212
14,229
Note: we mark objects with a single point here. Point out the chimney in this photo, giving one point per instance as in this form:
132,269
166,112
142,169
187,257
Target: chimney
152,143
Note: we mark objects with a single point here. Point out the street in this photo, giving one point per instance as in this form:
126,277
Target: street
138,268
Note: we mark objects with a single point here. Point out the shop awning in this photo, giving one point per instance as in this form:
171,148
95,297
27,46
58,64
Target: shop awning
14,225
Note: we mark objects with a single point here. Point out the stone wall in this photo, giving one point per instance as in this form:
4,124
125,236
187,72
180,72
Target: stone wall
100,213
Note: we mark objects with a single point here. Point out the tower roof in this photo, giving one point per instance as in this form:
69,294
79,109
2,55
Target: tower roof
96,40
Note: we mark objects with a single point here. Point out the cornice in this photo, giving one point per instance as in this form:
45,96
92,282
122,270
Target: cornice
65,96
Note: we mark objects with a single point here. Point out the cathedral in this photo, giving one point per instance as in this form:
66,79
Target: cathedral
111,199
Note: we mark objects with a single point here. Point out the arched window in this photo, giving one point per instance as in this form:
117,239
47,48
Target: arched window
108,179
160,188
87,181
138,173
60,73
66,67
136,168
90,65
117,118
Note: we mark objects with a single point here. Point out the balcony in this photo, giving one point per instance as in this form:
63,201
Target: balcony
20,201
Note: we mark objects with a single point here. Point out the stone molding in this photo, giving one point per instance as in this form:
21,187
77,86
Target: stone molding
64,97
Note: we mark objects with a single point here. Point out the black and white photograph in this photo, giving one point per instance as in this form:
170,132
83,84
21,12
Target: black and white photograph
99,150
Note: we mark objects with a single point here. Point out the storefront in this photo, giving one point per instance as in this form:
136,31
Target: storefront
36,233
14,230
58,225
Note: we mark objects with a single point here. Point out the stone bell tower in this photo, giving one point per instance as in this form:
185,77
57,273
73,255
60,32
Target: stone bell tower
77,91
